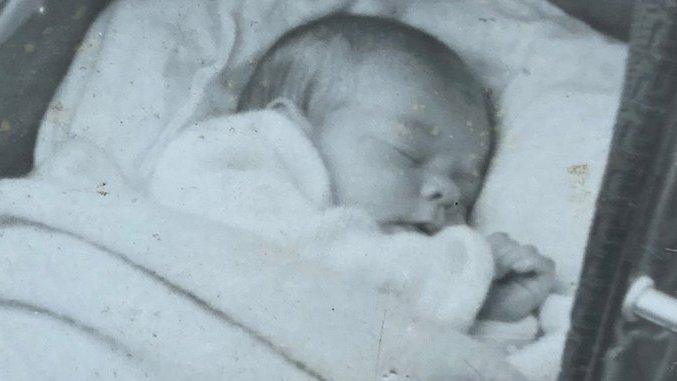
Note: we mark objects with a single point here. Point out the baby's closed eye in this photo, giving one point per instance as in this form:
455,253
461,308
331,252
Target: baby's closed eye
404,153
408,154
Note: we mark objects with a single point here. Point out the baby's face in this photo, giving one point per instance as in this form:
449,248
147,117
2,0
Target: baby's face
405,170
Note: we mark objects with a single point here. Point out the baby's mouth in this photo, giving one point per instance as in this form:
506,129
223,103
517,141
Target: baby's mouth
427,227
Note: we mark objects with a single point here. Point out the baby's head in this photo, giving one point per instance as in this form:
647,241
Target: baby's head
398,117
418,162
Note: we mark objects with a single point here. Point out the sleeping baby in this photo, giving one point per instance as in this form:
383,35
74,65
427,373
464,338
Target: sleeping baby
403,128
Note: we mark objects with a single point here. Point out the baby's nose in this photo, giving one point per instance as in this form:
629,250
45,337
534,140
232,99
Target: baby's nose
440,190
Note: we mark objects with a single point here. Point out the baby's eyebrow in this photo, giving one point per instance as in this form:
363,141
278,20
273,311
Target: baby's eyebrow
420,126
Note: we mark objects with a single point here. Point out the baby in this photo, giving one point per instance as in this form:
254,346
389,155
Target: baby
403,128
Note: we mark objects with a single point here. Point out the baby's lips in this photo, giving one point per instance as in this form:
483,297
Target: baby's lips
428,227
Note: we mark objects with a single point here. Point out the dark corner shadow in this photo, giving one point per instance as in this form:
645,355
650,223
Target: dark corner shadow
612,17
33,61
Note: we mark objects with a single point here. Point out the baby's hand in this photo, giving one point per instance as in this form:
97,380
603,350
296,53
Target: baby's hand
523,280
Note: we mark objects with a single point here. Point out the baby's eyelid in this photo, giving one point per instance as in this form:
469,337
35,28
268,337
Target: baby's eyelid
401,150
408,155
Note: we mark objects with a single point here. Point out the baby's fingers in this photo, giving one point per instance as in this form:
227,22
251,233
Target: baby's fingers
533,262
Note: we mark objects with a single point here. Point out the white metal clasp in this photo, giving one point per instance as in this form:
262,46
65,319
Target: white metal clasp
643,300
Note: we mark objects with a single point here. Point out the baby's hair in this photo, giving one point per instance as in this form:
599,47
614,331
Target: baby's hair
310,64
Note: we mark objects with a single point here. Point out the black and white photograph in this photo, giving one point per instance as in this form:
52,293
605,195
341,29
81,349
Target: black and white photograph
338,190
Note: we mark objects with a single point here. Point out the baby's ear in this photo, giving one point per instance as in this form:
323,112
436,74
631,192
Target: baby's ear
289,109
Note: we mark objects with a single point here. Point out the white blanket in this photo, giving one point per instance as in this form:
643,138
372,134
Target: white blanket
246,229
191,244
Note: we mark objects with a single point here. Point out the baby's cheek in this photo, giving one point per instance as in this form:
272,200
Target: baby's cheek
366,180
389,197
398,188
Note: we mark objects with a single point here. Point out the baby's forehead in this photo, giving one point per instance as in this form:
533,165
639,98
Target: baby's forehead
426,130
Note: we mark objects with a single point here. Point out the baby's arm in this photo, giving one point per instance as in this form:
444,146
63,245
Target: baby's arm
523,280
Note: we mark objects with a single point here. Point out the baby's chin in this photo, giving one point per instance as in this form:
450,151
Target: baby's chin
423,226
415,227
